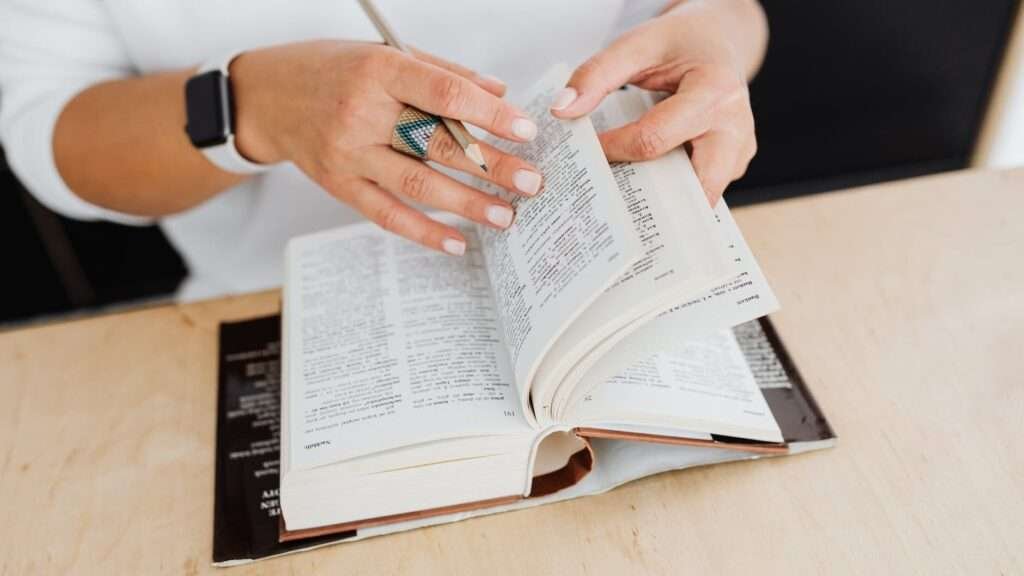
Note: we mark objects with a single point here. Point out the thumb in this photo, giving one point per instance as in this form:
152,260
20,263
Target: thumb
604,72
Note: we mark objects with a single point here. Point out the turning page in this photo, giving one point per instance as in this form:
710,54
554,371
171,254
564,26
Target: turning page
388,344
700,384
566,246
683,253
744,297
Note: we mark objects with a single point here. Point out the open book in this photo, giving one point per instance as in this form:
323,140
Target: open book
416,384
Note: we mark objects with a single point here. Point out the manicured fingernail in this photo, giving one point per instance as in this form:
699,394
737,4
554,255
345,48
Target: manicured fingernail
526,181
564,98
524,128
454,247
492,79
500,216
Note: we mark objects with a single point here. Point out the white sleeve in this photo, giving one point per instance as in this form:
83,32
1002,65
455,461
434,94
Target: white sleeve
49,52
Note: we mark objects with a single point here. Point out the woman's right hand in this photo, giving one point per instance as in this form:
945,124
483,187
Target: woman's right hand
330,108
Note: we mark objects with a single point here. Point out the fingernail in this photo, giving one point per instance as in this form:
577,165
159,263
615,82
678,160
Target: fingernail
526,181
564,98
524,128
500,216
492,79
454,247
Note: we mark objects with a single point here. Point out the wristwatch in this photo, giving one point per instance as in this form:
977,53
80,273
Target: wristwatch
210,114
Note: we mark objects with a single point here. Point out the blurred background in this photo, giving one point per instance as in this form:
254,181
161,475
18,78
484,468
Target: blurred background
850,93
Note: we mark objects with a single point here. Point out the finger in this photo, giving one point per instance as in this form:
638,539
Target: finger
444,93
604,72
393,215
487,82
670,123
717,158
747,153
505,170
416,181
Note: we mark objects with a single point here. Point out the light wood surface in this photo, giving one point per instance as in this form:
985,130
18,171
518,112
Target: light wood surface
903,305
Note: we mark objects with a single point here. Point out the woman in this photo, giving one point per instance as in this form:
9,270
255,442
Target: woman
94,104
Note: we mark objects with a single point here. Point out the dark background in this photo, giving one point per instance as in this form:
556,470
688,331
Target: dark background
857,92
851,92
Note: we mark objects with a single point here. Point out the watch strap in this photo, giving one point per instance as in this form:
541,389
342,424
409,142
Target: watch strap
226,156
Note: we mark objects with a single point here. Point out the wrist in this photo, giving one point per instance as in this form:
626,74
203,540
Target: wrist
252,137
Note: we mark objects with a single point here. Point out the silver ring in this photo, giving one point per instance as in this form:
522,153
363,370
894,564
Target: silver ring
413,131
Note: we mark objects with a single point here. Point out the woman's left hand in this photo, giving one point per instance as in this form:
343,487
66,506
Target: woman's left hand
702,52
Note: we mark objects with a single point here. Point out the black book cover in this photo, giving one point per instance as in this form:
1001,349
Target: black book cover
795,410
246,509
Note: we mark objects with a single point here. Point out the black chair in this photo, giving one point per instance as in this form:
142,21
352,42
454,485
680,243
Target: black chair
57,265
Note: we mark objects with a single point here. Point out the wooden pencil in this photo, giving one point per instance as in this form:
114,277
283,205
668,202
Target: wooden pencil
458,130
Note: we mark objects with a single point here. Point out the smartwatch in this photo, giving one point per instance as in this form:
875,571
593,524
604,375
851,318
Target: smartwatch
210,114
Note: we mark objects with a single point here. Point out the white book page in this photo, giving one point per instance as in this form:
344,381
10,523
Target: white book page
683,253
566,245
744,297
701,384
389,344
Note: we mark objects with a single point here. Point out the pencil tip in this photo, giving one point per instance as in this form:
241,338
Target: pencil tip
474,153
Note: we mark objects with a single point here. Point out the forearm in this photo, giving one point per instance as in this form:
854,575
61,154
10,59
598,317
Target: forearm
739,24
122,145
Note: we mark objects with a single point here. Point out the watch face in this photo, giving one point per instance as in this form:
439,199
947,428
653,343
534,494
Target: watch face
208,109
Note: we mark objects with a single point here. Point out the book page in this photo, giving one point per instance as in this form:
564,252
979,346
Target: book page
701,384
566,245
683,253
744,297
389,344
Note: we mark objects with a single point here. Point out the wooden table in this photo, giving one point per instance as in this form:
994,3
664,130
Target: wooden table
903,305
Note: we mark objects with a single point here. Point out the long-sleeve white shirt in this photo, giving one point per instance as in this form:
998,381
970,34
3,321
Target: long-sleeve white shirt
52,50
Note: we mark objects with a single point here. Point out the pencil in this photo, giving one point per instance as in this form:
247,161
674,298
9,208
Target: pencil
458,130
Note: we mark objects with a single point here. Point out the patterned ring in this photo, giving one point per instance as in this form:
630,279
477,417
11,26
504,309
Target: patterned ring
413,131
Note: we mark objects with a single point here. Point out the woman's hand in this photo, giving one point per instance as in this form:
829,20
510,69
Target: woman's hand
702,52
330,108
